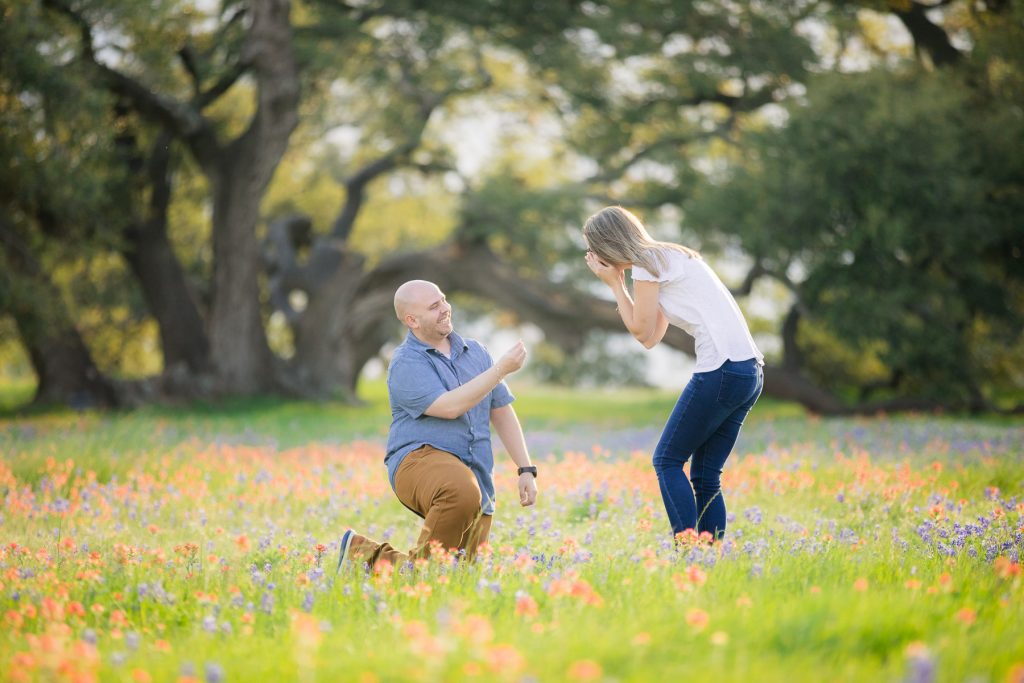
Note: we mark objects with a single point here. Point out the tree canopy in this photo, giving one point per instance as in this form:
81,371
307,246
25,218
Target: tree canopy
243,185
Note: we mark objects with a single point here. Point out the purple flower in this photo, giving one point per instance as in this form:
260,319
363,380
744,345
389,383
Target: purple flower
214,672
753,515
922,669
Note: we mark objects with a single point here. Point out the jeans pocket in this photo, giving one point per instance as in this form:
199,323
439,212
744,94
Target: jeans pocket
736,388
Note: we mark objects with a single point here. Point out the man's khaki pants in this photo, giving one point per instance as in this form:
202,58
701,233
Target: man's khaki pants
441,489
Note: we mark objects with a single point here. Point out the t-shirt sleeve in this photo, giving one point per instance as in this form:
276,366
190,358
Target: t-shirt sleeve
413,385
641,274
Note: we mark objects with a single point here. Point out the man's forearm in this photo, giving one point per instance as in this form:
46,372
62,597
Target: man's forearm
510,431
458,401
506,423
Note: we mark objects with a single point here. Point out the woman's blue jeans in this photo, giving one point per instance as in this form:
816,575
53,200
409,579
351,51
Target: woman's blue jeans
704,425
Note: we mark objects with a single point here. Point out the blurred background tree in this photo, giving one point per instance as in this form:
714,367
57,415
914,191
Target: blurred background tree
228,194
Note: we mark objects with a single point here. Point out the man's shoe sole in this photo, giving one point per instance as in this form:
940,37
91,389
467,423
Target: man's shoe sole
346,540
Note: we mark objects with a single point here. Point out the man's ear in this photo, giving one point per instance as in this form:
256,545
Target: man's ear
411,322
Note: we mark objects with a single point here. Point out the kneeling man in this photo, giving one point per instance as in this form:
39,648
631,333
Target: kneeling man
445,392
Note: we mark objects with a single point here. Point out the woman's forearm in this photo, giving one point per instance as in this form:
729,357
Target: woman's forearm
624,305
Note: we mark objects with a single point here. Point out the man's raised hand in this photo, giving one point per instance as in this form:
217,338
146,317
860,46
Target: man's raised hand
512,360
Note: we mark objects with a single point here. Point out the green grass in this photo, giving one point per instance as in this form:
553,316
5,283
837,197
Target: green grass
14,394
825,572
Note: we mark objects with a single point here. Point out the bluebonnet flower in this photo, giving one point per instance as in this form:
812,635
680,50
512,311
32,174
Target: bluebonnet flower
922,669
267,602
753,515
214,672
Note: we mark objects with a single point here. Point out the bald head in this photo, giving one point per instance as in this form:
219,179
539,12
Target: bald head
413,296
423,308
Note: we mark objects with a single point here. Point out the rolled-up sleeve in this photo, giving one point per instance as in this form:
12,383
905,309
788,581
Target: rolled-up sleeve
501,396
413,385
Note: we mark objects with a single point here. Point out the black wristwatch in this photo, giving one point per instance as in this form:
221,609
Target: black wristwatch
531,469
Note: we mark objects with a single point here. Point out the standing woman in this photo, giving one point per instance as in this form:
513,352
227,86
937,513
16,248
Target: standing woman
673,284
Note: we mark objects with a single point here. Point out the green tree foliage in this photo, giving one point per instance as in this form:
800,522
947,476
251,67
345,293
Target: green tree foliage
898,195
62,182
888,204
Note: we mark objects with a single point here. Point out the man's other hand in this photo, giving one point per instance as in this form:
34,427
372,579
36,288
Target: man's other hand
527,489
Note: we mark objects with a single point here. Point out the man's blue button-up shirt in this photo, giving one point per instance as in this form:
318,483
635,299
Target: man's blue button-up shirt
417,376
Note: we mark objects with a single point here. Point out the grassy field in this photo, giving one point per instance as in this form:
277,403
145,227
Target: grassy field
198,544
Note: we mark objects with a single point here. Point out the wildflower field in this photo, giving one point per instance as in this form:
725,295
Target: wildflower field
200,545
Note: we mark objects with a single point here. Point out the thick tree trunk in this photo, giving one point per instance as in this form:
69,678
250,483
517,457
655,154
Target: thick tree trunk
64,368
376,323
323,362
238,343
66,372
169,299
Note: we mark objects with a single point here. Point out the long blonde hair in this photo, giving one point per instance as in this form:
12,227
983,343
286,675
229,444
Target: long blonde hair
618,238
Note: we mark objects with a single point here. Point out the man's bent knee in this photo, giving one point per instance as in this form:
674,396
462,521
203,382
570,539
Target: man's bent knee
463,499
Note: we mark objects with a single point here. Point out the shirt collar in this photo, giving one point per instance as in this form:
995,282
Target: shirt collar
454,339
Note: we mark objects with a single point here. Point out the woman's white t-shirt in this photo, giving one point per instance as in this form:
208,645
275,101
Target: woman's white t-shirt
694,299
